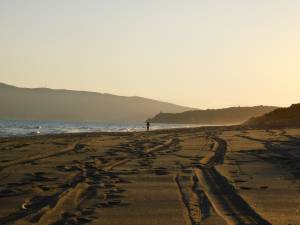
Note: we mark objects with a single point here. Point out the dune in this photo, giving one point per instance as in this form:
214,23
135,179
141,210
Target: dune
282,117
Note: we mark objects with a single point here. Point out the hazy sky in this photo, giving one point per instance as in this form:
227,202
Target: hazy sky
200,53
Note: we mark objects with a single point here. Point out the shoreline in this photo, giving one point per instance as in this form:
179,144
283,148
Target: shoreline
31,128
108,133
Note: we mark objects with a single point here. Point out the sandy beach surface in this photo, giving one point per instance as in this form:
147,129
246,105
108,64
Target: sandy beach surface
209,176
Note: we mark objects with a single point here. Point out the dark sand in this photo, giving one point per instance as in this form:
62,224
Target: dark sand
209,176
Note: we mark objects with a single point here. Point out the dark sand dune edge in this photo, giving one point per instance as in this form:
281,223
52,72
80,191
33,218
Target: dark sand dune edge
282,117
184,176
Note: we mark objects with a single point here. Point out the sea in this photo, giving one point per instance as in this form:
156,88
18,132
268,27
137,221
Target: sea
9,128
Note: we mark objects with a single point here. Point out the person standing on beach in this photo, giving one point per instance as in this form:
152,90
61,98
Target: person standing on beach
148,125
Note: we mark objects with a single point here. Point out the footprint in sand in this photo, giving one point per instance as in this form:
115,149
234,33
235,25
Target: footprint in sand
161,171
264,187
239,181
245,188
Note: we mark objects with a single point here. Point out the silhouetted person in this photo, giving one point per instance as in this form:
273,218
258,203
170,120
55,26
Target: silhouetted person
148,125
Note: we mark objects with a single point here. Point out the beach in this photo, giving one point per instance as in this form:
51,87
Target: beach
207,175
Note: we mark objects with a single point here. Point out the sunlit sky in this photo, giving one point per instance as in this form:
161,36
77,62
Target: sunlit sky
198,53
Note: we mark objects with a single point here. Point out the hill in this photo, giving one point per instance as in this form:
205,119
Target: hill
226,116
66,105
282,117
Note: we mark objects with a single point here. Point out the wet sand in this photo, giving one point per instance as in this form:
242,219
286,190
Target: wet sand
209,176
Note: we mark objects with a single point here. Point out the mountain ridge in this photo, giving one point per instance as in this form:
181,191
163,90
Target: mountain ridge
61,104
225,116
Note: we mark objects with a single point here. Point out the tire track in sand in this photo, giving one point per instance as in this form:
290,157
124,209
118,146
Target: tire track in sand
222,196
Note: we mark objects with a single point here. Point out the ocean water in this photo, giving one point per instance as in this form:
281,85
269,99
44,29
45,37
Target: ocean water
25,128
